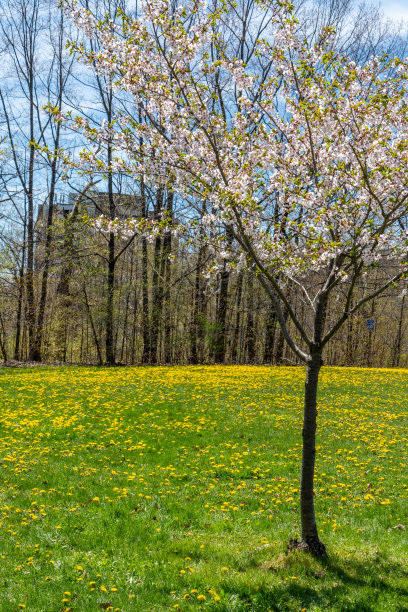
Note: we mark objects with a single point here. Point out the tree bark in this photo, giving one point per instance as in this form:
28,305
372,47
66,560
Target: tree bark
94,332
30,244
157,285
280,344
3,340
310,537
250,335
235,351
19,303
166,280
145,304
109,341
39,328
397,347
349,342
270,334
123,348
145,289
63,287
370,339
220,335
220,318
134,325
53,160
198,312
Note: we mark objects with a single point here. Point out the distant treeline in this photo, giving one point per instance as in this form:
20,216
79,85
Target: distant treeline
163,309
72,295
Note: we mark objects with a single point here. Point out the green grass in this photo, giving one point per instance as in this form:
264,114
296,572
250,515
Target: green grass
158,489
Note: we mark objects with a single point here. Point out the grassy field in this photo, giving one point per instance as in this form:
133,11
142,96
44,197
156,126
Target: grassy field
157,489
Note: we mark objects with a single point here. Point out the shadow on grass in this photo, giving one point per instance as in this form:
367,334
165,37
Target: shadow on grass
374,585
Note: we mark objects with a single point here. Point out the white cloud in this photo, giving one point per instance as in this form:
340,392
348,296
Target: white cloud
395,9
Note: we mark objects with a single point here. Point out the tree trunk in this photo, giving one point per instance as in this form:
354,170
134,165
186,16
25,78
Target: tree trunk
39,328
123,348
30,225
19,305
157,285
134,326
145,304
198,311
349,342
220,336
235,352
63,287
220,318
370,339
94,332
397,347
146,319
166,280
280,344
250,335
30,253
3,340
109,341
310,538
270,334
125,325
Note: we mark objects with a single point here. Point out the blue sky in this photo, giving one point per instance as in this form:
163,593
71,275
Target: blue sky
396,9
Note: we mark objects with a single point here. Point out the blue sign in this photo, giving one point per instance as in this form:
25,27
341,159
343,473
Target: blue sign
370,324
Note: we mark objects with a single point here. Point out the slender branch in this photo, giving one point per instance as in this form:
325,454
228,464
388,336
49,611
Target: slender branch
244,241
128,243
305,357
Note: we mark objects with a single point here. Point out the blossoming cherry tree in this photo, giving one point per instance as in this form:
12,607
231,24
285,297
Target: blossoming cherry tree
300,153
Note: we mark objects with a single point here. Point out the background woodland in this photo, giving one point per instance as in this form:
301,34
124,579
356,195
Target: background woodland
72,294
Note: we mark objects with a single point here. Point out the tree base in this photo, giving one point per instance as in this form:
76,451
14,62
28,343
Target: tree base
311,545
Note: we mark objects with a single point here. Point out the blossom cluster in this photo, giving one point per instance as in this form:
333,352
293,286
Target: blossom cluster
303,163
